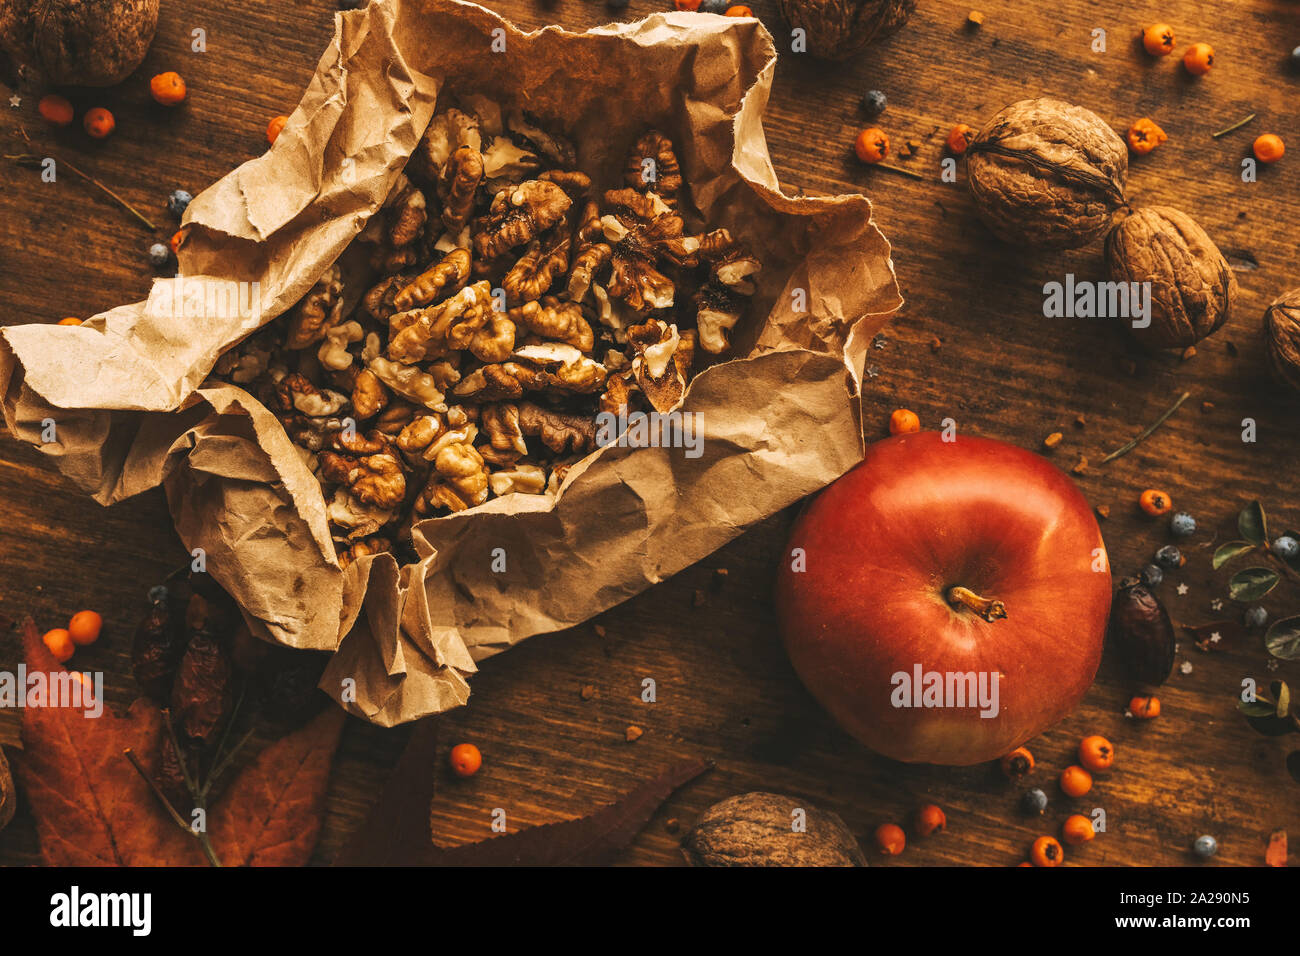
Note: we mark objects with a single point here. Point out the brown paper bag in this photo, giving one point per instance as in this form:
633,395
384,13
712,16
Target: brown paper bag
120,402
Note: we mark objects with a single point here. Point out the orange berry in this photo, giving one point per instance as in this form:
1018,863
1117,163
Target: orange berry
70,320
465,760
872,145
1198,59
59,644
1077,829
98,122
738,11
175,241
1025,863
890,839
903,422
930,819
1158,39
1046,851
55,108
1144,135
1075,781
84,628
1144,708
168,88
273,128
1269,148
1018,763
959,138
687,4
1096,753
1155,503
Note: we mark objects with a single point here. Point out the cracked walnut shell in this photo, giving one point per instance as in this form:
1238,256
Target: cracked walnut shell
1047,173
1282,331
1192,285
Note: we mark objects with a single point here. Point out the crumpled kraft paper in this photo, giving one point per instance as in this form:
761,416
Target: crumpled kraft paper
126,391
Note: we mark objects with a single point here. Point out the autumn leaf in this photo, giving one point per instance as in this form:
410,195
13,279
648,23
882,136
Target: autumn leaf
90,805
396,833
93,809
271,814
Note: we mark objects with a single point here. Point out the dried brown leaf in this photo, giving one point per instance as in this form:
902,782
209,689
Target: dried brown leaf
271,815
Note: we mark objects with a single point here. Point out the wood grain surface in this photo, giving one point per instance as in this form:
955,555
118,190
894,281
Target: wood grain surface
970,344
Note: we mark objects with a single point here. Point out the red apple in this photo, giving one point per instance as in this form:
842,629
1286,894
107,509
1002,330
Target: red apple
910,561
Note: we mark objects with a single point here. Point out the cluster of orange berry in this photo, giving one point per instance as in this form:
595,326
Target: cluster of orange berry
1145,135
890,838
83,628
167,88
1096,755
872,144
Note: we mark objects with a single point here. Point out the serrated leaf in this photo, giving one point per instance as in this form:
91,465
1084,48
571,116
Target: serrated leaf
1226,552
1252,524
1256,708
1282,639
1251,584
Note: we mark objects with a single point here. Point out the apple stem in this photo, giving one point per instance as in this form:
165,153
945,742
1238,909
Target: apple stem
986,608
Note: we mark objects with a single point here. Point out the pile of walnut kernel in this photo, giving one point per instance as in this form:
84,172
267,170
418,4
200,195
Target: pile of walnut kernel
514,302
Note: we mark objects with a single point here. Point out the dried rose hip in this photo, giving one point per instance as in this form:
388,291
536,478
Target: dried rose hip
156,647
202,694
1140,630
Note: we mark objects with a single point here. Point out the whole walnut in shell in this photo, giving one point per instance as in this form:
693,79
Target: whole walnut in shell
839,28
758,829
1047,173
79,42
1282,332
1192,285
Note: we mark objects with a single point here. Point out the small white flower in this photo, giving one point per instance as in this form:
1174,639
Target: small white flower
1182,589
1185,667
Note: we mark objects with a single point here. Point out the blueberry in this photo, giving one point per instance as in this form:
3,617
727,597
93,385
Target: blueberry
158,594
1033,801
1295,58
874,102
715,6
1182,525
158,254
1256,616
1152,576
177,202
1169,557
1205,846
1286,547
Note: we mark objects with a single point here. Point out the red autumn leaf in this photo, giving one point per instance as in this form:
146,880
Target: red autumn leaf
271,814
93,809
1275,855
90,805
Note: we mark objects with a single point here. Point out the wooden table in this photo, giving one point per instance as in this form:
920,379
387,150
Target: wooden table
725,689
